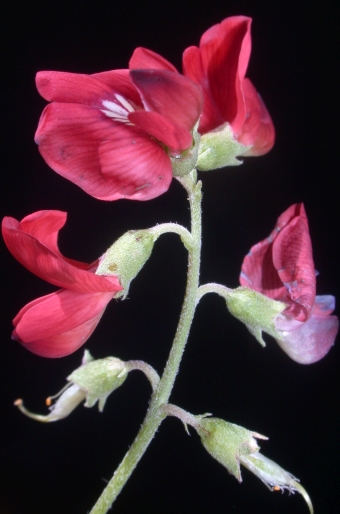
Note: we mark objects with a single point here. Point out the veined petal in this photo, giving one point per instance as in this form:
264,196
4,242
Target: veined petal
50,265
95,152
173,136
57,324
143,58
170,94
292,257
119,82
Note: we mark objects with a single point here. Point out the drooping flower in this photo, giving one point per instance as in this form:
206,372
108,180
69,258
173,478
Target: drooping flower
281,267
219,66
113,133
59,323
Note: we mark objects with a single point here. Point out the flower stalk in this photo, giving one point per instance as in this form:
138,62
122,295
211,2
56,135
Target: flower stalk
156,414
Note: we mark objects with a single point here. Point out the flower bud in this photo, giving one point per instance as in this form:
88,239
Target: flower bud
219,148
255,310
126,257
227,442
93,381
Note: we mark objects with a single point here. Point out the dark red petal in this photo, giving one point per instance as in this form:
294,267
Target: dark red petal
173,136
170,94
58,324
50,265
142,58
307,342
108,159
293,259
211,116
258,130
225,50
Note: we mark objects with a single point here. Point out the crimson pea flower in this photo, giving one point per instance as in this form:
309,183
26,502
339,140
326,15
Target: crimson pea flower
59,323
281,267
113,133
219,66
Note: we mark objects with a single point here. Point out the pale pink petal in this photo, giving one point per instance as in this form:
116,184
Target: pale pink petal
57,324
142,58
170,94
309,341
106,158
173,136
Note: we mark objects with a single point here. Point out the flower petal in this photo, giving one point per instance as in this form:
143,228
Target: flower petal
309,341
173,136
225,50
293,259
211,116
58,324
79,88
48,264
142,58
96,153
170,94
257,130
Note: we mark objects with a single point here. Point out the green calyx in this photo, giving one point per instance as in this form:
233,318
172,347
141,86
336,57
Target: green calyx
99,378
218,149
186,162
126,257
226,442
255,310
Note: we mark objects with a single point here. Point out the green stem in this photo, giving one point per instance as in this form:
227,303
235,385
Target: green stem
155,414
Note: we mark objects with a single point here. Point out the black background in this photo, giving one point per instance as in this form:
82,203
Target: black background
62,467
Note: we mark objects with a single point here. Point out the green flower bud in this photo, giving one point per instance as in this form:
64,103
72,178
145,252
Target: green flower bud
256,311
227,442
126,257
219,148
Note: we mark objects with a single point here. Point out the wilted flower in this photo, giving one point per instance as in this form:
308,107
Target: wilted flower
59,323
113,133
281,267
93,382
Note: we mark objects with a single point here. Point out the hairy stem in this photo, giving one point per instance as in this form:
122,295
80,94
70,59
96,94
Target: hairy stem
161,395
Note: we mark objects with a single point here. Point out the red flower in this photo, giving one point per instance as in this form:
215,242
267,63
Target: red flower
113,133
59,323
219,66
281,267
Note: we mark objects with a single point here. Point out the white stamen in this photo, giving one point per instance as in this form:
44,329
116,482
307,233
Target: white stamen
118,111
